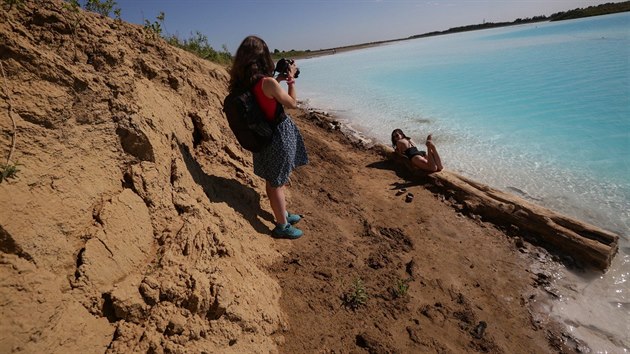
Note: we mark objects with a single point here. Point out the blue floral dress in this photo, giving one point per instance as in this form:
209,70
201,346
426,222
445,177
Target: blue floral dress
285,153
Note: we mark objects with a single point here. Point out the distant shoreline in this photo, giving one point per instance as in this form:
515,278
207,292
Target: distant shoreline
332,51
600,10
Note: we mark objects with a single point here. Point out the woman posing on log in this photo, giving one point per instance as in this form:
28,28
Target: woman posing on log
427,161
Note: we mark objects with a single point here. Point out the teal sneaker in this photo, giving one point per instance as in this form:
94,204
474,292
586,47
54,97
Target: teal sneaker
287,231
293,218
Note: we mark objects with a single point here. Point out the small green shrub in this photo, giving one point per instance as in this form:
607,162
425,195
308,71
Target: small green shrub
154,29
356,296
401,288
9,171
102,7
198,45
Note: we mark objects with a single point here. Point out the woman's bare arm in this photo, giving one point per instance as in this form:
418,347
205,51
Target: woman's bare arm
271,88
402,145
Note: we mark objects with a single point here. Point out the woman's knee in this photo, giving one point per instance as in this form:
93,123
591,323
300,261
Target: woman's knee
275,189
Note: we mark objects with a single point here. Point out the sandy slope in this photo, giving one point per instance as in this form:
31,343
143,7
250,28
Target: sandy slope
118,232
136,223
460,271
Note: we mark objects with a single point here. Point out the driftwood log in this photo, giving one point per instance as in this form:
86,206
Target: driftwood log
586,244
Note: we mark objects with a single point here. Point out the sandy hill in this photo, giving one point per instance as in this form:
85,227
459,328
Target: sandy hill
107,237
136,224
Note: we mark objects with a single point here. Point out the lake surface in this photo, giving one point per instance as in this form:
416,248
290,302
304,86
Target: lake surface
539,110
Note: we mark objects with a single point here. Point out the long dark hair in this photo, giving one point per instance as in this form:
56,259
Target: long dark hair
401,133
251,62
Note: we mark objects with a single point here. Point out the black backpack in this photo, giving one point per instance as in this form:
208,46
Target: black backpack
247,120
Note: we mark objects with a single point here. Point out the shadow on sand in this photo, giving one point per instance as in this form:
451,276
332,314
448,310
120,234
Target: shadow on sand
243,199
410,179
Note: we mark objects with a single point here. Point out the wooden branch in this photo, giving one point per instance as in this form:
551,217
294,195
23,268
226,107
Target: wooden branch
585,243
10,109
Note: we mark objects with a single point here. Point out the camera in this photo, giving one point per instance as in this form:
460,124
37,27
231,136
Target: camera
282,67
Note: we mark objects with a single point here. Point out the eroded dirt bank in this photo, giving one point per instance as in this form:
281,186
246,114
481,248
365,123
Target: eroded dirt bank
127,228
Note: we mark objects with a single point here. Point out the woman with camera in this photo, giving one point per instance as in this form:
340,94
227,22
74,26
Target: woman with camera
253,69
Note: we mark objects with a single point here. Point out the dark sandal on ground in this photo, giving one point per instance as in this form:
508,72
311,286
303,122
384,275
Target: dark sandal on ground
409,198
287,231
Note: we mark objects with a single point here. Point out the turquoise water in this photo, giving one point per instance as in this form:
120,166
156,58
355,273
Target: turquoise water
541,110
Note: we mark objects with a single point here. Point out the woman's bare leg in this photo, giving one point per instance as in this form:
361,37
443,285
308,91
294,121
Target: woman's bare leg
421,163
428,164
432,152
277,201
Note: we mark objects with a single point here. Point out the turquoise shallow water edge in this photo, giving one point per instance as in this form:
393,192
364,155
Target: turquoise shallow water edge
540,110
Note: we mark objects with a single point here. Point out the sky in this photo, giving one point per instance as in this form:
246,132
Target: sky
323,24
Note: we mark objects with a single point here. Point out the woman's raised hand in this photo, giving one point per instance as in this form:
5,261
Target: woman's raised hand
292,70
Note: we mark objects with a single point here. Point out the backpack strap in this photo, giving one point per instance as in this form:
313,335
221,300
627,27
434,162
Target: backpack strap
280,115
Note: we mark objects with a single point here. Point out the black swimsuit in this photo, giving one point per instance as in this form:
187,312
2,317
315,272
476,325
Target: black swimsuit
413,151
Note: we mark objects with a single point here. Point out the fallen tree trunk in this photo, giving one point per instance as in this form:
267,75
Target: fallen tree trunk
586,244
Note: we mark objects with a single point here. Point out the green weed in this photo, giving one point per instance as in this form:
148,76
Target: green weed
356,296
9,171
401,288
154,29
198,45
100,7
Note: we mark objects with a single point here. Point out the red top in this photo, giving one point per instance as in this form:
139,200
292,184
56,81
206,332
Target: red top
268,105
